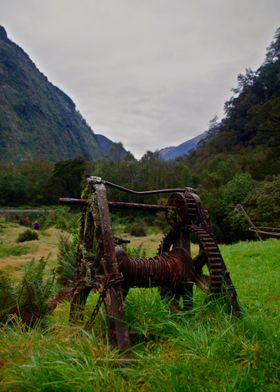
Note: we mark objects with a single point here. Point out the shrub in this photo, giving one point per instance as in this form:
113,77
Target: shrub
137,230
28,235
161,222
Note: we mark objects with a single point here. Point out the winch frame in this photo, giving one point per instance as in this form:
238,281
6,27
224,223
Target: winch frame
105,268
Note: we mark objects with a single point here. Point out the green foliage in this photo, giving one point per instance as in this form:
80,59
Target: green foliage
67,250
7,297
29,297
18,250
273,51
137,229
36,172
66,180
135,253
264,203
12,189
161,222
65,219
28,235
24,183
236,190
35,289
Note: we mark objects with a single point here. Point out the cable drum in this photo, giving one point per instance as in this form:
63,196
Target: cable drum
171,269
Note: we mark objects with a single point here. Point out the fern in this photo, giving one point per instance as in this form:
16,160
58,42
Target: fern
66,260
35,290
7,297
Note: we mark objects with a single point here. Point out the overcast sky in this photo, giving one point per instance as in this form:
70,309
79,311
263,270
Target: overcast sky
148,73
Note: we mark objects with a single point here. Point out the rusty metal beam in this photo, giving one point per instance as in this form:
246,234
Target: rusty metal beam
138,206
73,202
120,205
146,193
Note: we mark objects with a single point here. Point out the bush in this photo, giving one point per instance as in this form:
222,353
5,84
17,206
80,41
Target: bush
137,230
161,222
28,235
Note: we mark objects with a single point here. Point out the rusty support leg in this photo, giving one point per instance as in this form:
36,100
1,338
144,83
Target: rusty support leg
118,331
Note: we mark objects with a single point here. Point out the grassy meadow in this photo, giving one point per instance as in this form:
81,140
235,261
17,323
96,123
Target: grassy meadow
204,349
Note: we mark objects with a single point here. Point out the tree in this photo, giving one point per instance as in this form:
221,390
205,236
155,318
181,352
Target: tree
213,126
273,51
37,173
233,193
245,81
13,190
263,203
67,178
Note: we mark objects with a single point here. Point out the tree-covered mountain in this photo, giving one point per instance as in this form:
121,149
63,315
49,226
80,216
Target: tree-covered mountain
37,119
184,148
250,131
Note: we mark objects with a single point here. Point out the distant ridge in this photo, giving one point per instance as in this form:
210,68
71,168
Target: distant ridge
111,150
169,153
36,117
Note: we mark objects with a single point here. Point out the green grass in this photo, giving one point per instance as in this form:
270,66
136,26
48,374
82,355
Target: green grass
202,350
14,250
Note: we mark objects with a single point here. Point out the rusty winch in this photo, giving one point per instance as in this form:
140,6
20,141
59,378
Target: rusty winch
103,265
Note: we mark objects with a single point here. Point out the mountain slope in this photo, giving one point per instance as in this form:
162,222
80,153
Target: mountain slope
111,150
37,118
249,135
168,153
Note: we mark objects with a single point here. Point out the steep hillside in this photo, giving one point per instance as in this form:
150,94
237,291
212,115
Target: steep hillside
250,132
111,150
37,118
183,148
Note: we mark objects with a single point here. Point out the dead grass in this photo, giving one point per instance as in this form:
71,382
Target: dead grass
151,243
46,246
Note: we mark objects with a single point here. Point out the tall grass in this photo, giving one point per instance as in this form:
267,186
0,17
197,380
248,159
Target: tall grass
202,350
